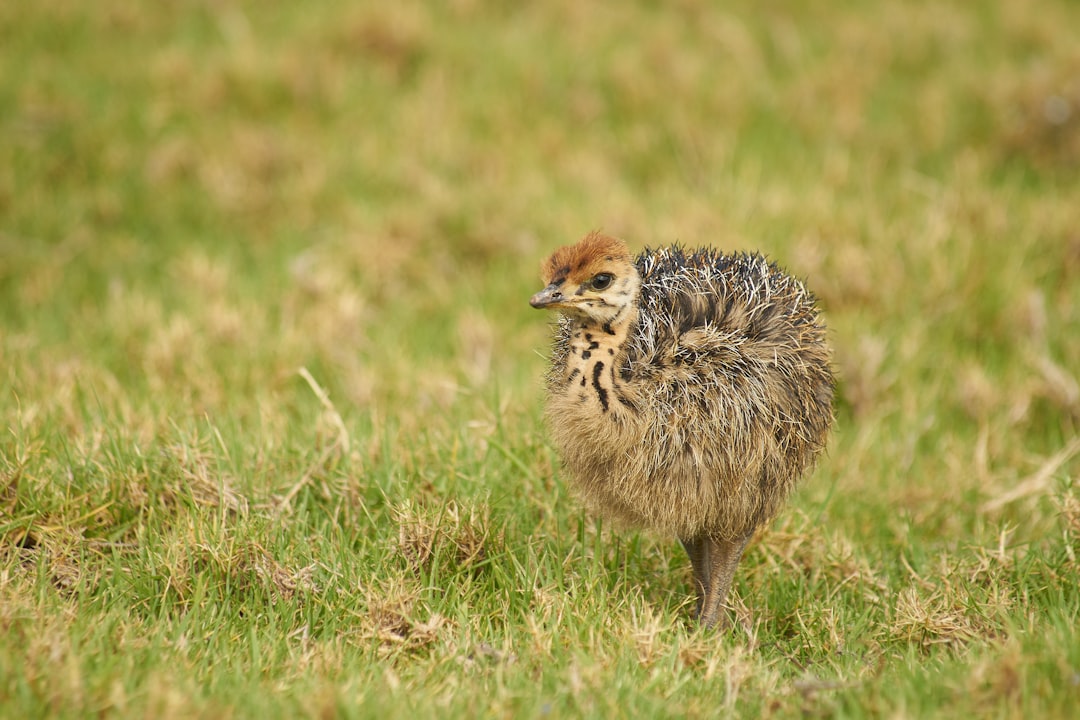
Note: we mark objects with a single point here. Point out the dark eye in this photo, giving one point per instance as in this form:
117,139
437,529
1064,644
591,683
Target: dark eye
601,281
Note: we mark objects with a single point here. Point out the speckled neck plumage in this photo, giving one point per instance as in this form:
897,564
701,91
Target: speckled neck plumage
596,350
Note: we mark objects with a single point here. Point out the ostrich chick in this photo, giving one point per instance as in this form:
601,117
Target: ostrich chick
688,393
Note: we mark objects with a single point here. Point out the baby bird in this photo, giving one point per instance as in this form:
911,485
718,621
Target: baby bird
688,392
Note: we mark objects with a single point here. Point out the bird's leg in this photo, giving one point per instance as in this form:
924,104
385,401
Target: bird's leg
721,558
697,549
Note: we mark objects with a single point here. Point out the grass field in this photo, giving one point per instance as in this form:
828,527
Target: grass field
270,387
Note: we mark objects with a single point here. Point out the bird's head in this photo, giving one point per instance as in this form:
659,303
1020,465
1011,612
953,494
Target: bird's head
593,280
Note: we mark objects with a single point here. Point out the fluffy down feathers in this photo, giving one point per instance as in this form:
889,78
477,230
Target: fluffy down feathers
697,410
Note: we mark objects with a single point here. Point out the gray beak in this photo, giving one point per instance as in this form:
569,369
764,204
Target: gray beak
551,295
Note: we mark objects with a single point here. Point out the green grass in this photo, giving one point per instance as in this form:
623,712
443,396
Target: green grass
270,386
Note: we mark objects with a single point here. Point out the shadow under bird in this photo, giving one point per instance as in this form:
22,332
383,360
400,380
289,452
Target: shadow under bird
688,393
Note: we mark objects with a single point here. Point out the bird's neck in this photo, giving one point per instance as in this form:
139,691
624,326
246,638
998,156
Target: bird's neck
596,349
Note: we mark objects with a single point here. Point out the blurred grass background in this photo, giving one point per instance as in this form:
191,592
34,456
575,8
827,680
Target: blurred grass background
197,199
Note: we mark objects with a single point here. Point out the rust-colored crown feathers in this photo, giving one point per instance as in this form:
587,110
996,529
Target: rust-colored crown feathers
580,261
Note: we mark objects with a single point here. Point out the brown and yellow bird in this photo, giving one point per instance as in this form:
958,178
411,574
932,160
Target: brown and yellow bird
688,393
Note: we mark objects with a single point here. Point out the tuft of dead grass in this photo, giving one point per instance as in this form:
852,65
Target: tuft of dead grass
246,567
194,474
390,618
462,534
928,619
966,598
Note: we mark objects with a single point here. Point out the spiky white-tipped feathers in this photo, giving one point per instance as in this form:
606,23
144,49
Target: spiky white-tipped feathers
698,410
